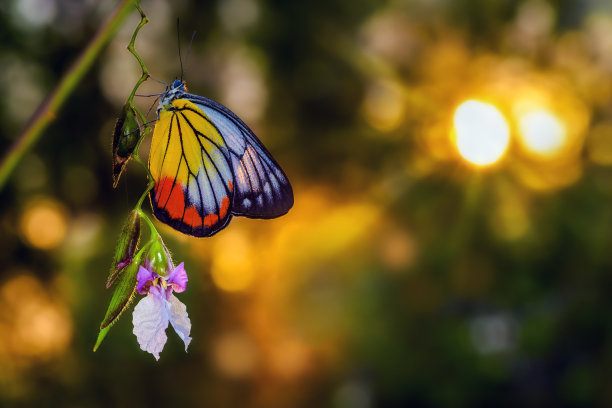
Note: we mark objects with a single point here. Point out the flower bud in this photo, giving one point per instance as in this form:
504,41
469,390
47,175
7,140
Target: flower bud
128,242
125,139
158,258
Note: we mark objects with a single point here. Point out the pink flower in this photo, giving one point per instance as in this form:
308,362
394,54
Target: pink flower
159,308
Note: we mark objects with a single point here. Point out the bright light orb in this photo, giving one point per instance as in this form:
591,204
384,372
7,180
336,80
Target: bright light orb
541,132
482,132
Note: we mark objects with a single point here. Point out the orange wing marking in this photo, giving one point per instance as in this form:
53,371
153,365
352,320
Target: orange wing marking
192,217
170,196
224,207
172,199
210,220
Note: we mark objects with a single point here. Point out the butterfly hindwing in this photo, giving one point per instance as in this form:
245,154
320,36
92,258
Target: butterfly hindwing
262,189
191,165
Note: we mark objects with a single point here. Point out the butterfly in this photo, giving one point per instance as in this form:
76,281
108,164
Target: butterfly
208,166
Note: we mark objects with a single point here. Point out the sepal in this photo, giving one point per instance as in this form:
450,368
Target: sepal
126,247
123,295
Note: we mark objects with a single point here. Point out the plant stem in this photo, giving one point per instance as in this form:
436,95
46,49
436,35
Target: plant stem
48,110
151,183
154,233
145,73
130,101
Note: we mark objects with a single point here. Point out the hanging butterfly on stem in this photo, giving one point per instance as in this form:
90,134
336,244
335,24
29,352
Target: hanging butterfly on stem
208,165
205,163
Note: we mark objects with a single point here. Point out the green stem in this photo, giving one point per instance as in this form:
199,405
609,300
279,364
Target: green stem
145,73
142,251
151,183
154,232
48,110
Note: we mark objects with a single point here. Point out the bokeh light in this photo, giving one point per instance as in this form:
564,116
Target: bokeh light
242,84
40,325
494,333
481,131
236,15
542,132
383,106
43,223
397,249
235,354
289,358
36,12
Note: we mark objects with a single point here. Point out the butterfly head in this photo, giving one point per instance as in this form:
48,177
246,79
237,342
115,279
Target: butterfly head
177,83
175,91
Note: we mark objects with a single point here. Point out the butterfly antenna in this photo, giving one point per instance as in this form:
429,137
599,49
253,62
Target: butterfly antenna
148,96
178,37
189,48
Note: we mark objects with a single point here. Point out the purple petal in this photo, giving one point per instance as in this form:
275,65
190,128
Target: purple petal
178,278
180,320
150,319
144,276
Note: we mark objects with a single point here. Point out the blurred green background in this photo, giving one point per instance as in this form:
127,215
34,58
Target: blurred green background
450,243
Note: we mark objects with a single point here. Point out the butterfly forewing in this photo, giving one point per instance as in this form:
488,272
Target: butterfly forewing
262,189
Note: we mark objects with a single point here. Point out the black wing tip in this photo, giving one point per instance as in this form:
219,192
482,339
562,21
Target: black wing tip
266,212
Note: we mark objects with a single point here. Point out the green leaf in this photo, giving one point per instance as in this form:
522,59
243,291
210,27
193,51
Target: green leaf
101,337
122,296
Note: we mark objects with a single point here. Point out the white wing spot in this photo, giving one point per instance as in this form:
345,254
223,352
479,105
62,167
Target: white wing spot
260,200
268,190
274,182
246,203
280,176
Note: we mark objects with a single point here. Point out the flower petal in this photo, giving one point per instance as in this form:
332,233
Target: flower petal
178,278
150,319
144,276
180,320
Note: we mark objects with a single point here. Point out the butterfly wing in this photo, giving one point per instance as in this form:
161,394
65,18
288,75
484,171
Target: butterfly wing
192,169
262,189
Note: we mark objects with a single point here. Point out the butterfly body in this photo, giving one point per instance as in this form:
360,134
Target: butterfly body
208,166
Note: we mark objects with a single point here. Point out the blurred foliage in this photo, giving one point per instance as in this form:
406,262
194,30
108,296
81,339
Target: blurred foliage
405,275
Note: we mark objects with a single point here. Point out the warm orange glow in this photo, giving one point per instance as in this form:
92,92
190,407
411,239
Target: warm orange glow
482,133
43,224
37,325
233,263
289,358
551,123
397,249
542,132
235,354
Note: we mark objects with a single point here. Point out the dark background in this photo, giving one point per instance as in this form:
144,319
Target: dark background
404,276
